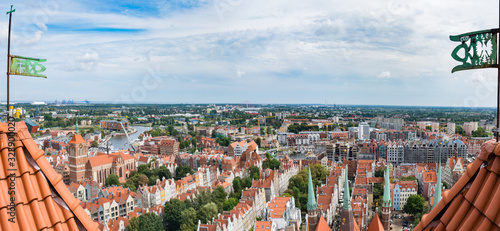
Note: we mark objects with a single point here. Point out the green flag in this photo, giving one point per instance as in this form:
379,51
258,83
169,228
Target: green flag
479,48
20,65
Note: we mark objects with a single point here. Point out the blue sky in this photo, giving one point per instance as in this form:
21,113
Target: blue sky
387,52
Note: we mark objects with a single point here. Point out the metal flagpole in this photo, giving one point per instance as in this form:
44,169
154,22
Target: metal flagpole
8,59
498,77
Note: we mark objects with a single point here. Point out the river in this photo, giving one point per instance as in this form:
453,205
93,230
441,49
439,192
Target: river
120,142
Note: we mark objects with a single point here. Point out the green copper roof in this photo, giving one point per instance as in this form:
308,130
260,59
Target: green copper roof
386,201
76,126
347,197
437,194
311,201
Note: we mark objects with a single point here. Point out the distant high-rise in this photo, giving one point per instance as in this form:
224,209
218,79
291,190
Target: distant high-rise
435,127
364,131
450,128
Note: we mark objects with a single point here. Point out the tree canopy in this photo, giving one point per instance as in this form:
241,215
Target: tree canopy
298,184
145,222
112,179
415,205
182,170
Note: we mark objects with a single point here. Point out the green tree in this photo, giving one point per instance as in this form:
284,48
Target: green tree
480,132
218,197
112,179
203,197
378,191
149,222
129,185
379,173
298,184
133,224
407,178
162,172
258,141
207,212
142,180
230,203
188,220
182,171
152,179
172,214
237,184
143,168
414,205
254,171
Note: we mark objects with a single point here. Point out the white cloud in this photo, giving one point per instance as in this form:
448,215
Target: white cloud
35,39
384,75
85,62
338,42
239,73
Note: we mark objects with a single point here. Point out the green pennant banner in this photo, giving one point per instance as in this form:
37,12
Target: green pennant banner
20,65
479,47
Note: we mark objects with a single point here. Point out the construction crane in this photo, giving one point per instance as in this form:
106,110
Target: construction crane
327,136
265,123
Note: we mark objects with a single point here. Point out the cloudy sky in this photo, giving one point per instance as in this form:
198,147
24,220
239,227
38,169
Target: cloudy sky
387,52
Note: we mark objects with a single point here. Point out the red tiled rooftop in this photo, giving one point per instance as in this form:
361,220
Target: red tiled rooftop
473,202
322,225
376,224
77,139
263,225
36,182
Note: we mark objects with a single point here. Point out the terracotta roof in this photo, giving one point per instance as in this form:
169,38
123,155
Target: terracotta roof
472,203
356,226
430,176
322,225
376,224
77,139
263,225
42,200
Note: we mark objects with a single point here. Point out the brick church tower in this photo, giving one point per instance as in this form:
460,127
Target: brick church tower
77,156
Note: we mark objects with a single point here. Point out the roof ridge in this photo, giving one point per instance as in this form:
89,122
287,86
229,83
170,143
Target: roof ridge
60,193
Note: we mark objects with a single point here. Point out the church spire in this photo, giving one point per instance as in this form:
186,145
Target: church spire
311,200
386,201
347,197
76,126
437,194
346,214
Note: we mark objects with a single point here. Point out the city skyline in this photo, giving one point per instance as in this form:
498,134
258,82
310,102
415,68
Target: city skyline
355,53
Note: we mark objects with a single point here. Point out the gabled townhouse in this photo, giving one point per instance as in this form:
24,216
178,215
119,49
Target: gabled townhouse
453,170
282,210
401,191
78,191
242,217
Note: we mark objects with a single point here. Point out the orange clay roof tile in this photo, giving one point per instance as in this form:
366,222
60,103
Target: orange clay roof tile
77,139
42,200
322,225
472,203
376,224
